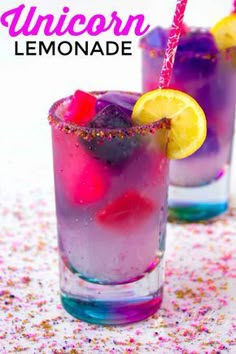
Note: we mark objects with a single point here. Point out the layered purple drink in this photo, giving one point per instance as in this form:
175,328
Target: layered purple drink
111,181
199,183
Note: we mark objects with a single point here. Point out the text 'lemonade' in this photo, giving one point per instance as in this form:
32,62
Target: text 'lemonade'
205,69
111,154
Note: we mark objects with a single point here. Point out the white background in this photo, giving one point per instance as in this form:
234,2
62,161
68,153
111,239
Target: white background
29,85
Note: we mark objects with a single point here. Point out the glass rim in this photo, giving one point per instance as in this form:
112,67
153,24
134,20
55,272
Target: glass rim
157,51
89,133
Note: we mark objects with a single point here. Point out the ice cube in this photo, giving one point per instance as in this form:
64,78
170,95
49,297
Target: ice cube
81,179
157,38
198,42
117,149
196,56
81,108
111,117
124,101
127,212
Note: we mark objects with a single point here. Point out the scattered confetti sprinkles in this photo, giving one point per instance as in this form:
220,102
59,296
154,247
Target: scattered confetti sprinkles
197,315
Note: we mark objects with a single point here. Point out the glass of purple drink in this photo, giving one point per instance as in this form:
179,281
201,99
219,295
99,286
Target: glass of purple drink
199,184
111,182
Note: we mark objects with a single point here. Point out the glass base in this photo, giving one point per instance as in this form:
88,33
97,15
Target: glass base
198,203
112,304
196,212
111,312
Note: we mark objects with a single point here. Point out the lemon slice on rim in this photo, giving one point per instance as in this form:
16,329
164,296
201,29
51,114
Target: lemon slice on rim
225,32
188,122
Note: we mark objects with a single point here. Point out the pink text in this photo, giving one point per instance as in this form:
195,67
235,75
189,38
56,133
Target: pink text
22,21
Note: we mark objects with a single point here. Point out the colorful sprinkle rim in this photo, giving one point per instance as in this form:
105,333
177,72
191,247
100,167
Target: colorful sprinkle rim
160,52
88,133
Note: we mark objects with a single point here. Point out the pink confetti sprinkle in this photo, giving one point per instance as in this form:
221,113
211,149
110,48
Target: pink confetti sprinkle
25,280
223,302
199,291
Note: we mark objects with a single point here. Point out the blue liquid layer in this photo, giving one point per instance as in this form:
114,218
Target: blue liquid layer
112,312
196,212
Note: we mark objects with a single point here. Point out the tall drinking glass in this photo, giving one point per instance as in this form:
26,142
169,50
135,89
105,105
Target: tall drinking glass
199,184
111,203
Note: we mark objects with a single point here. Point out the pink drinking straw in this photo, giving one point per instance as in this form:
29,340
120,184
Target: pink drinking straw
234,6
172,44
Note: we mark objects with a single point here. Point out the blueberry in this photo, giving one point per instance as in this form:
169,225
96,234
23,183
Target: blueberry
117,149
123,100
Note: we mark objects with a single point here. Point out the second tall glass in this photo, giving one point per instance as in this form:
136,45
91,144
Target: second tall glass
199,184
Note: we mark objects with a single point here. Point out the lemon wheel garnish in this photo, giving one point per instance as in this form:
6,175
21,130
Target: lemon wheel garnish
224,32
188,122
